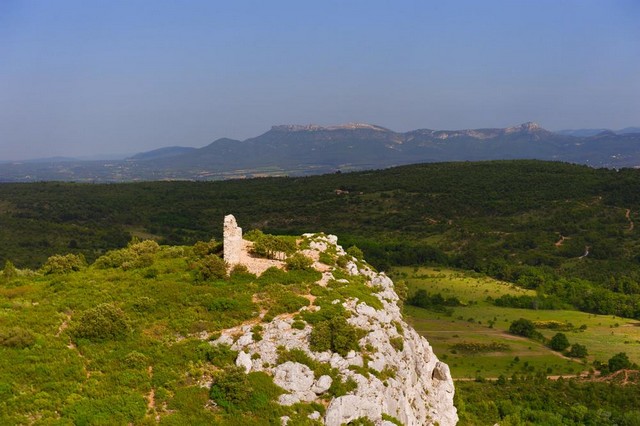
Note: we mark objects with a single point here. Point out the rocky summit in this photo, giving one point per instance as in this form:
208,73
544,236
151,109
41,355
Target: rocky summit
394,373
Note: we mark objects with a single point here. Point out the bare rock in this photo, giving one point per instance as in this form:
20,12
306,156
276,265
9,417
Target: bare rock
244,360
322,384
293,376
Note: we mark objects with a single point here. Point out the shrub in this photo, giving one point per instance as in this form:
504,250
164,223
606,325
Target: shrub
559,342
202,249
522,327
219,355
355,252
361,421
326,258
143,247
253,235
433,302
59,264
298,325
104,322
230,387
256,332
17,337
136,359
144,304
397,343
577,351
335,334
211,266
472,348
271,246
619,361
138,254
9,272
299,261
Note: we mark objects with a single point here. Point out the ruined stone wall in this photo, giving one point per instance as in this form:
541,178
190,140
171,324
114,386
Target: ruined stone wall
232,240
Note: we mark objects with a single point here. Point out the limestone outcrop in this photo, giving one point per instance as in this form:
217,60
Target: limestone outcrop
394,373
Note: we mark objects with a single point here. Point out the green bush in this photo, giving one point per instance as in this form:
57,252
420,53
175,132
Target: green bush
271,246
299,261
104,322
298,325
144,247
559,342
326,258
135,359
355,252
522,327
9,272
335,334
253,235
202,249
219,355
138,254
230,387
577,351
59,264
619,361
17,337
211,267
397,343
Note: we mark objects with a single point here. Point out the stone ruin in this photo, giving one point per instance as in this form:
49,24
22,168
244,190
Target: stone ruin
232,240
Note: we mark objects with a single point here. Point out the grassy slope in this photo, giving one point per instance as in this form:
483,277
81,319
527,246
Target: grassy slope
604,336
155,370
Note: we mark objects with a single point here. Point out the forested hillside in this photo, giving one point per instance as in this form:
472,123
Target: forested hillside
565,230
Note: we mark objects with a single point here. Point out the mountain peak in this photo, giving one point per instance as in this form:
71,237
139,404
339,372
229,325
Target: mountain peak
529,126
315,127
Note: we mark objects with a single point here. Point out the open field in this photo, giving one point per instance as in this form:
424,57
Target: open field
481,322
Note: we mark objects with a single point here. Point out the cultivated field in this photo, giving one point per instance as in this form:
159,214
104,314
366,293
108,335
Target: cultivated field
481,322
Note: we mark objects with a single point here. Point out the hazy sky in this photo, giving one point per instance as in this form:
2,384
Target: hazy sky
95,77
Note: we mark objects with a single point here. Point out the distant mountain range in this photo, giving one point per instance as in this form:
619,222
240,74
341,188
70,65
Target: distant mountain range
304,150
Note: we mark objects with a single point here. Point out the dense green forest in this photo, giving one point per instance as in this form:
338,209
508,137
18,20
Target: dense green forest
566,231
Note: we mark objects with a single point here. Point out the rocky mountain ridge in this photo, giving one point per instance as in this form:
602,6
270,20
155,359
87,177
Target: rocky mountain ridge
395,374
299,150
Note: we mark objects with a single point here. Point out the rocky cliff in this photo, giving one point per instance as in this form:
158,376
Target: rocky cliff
390,376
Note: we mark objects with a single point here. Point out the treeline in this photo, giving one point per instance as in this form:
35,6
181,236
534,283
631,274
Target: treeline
579,294
532,399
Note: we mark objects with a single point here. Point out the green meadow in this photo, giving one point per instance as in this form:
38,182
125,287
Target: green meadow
478,321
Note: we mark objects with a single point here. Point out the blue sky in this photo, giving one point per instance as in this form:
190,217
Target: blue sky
85,77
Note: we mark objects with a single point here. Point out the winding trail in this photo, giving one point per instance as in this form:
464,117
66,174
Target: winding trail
561,240
586,252
151,398
628,216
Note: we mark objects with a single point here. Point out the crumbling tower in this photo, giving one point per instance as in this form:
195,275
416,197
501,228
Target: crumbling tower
232,240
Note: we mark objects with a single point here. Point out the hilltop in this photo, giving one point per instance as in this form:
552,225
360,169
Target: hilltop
291,330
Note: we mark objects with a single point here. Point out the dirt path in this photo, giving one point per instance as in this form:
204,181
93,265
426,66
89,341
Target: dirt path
151,398
628,216
586,252
63,326
71,345
560,241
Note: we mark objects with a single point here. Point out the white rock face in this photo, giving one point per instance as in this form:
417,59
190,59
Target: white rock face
244,360
414,386
232,240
